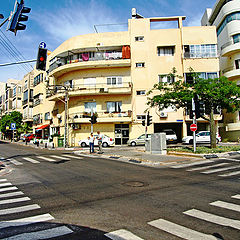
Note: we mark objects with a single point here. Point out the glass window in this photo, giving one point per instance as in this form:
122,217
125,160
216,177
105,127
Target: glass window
47,116
236,38
166,79
90,107
165,51
142,92
139,65
139,39
114,81
114,107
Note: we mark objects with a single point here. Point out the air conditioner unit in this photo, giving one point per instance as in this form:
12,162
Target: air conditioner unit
163,114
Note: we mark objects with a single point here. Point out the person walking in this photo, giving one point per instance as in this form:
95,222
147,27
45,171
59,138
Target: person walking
100,138
91,143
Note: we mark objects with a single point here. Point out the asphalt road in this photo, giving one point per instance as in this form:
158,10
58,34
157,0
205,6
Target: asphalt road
90,198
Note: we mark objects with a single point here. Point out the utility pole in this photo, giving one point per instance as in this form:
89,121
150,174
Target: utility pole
146,130
66,118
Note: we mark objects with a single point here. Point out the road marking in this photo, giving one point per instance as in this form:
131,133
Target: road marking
180,231
14,200
30,160
230,159
47,159
220,169
230,174
70,156
214,218
14,161
236,196
5,184
26,221
192,164
122,234
230,206
3,180
59,157
44,234
8,189
11,194
207,167
19,209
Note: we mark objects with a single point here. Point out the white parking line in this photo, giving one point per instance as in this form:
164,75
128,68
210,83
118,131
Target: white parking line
8,189
192,164
5,184
122,234
180,231
26,221
207,167
236,196
220,169
46,159
230,206
44,234
13,194
30,160
214,218
230,174
19,209
14,200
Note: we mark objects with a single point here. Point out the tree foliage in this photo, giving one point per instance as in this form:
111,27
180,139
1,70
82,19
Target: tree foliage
218,93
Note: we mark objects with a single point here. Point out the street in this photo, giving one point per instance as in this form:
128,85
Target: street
60,195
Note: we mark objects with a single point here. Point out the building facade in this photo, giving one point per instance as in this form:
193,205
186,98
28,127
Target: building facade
109,74
225,15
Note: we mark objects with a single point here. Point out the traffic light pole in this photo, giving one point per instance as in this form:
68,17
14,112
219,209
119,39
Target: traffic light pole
91,122
146,131
66,119
194,122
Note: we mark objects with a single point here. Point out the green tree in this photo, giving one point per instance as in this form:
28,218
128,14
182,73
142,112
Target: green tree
218,93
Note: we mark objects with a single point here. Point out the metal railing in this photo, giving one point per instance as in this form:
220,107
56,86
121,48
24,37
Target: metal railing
200,55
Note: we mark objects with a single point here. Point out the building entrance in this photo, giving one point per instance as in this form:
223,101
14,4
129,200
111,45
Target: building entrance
121,134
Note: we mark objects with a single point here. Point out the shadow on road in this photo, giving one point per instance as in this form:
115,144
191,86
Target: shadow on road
1,142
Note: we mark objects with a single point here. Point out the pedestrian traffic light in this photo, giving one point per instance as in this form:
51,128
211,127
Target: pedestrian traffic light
41,59
18,17
149,119
199,107
93,119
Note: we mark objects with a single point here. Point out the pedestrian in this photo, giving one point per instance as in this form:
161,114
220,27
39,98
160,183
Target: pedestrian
91,143
100,138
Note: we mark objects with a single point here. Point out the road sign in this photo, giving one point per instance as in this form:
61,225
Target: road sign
193,127
13,126
42,45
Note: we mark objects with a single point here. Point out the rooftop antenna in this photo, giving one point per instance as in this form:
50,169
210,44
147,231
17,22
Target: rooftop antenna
135,15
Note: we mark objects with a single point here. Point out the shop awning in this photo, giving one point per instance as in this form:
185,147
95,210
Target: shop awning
42,127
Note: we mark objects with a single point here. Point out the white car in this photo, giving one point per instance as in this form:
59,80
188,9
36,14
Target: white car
171,136
201,137
106,141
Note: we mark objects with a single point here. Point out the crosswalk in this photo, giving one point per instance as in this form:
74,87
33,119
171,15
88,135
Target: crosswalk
223,167
10,196
38,159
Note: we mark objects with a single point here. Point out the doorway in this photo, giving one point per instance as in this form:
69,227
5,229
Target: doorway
121,134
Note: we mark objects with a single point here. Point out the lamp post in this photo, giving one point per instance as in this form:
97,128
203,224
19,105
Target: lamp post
1,16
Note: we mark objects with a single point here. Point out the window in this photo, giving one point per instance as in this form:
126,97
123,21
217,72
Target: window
14,91
89,81
19,90
68,83
140,65
205,75
166,79
114,107
141,92
38,79
165,51
114,81
25,95
139,39
237,63
90,107
47,116
236,38
141,117
26,84
200,51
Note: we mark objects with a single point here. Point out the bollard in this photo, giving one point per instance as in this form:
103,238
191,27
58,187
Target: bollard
52,145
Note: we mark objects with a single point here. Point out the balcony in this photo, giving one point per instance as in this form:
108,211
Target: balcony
189,55
27,117
231,73
230,48
37,102
102,117
70,61
87,90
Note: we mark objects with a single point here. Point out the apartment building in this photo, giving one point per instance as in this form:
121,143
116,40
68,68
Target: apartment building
225,15
110,73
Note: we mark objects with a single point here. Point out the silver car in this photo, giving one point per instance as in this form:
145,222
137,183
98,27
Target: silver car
139,140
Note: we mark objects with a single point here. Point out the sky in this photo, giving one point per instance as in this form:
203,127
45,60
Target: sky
56,21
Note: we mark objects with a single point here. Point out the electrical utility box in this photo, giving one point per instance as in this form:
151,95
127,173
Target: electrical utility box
157,144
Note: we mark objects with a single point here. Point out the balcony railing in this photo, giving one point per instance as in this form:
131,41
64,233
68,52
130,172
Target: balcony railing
200,55
27,116
37,102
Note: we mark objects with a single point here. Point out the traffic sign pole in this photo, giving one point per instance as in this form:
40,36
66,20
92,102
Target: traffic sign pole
194,122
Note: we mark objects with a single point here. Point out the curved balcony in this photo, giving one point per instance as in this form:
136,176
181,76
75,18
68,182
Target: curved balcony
231,73
87,90
229,49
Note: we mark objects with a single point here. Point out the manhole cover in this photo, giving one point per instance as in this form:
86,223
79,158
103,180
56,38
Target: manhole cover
135,184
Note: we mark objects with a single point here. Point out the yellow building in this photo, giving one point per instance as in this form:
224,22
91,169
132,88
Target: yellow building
110,73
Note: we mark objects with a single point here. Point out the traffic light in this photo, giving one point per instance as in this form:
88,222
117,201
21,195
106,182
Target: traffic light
18,17
93,119
41,59
199,107
149,120
143,122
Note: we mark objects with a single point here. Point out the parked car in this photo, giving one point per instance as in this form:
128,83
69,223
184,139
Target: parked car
22,136
171,136
201,137
106,141
139,140
30,136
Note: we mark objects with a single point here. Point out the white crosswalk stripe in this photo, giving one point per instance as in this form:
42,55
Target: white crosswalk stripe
59,157
180,231
5,184
14,200
46,159
30,160
236,196
3,180
214,218
207,167
19,209
13,194
71,156
122,234
15,162
230,174
230,206
191,164
49,233
8,189
220,169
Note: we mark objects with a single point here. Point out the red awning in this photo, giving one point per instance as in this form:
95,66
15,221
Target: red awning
43,126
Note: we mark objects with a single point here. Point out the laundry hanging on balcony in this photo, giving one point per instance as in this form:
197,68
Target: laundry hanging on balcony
85,56
126,53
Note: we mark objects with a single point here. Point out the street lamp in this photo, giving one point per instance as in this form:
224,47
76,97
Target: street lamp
1,16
